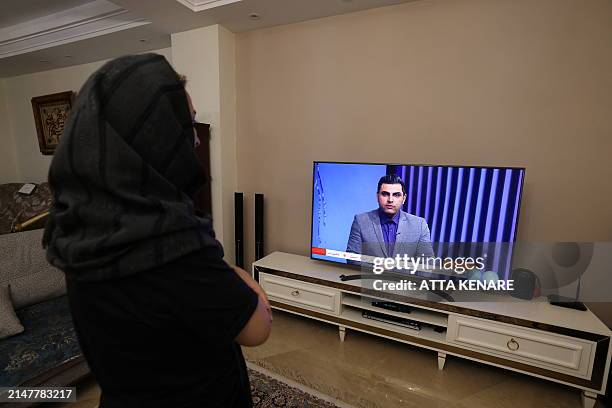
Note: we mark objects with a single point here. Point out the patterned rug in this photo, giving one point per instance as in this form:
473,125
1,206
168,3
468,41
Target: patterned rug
268,392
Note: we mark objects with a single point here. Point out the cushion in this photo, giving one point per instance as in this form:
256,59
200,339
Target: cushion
23,265
49,340
9,323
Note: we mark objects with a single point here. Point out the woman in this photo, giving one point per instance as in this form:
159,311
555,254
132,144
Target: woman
158,313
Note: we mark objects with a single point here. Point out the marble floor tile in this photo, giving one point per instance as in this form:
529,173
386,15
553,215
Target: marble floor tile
369,371
88,396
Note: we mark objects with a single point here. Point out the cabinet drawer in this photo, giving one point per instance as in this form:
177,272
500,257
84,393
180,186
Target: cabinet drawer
302,294
542,349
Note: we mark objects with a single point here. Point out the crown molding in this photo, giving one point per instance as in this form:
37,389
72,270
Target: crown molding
201,5
92,19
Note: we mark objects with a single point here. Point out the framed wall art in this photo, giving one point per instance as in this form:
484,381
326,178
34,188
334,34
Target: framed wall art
51,113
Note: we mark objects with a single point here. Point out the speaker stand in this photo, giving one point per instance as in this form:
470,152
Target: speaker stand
568,302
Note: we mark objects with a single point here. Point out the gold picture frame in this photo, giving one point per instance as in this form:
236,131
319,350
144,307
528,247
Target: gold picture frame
51,113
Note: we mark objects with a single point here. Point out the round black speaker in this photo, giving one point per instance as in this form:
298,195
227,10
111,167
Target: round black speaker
525,283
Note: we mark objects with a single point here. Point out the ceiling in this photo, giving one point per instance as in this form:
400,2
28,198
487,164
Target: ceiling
19,11
37,35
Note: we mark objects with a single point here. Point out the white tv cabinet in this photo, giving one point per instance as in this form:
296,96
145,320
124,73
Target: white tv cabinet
558,344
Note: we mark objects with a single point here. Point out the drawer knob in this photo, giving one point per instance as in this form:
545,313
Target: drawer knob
512,345
295,293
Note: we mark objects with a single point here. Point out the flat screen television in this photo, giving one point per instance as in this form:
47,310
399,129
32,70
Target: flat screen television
458,209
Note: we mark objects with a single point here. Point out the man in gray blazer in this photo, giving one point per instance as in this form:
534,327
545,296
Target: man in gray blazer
388,231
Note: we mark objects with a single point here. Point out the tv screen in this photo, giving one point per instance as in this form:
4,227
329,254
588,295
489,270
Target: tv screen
362,210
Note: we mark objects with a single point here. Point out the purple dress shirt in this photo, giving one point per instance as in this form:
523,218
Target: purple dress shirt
389,229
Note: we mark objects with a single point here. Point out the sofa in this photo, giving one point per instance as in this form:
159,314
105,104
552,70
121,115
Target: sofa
15,208
38,345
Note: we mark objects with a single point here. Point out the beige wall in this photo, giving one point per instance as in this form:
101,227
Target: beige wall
207,57
476,82
8,167
227,88
31,165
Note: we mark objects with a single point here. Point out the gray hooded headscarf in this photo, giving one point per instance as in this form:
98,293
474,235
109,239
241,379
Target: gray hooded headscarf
124,174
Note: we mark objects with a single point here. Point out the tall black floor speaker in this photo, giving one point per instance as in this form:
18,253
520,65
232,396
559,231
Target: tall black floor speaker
259,226
239,229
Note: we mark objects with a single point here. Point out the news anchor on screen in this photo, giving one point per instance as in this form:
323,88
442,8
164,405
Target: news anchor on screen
388,231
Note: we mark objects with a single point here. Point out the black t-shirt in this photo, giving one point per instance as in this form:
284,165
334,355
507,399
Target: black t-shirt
165,337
